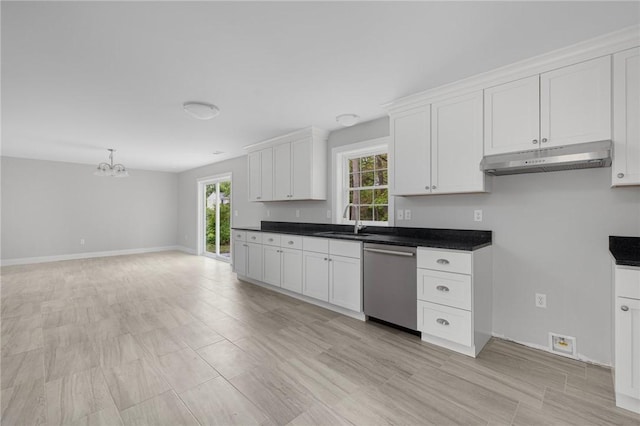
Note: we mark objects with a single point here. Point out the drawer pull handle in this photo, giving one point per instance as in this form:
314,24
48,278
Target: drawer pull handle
326,258
290,242
239,235
443,288
624,308
270,239
442,321
253,238
442,261
244,245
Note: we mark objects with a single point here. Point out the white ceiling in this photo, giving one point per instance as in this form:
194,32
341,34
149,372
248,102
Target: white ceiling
78,78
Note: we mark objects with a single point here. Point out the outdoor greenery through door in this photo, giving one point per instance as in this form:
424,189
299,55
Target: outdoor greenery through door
218,218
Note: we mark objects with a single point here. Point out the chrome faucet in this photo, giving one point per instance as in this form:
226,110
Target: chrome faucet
358,226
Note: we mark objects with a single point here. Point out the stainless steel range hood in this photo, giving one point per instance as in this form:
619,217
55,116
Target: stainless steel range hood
572,157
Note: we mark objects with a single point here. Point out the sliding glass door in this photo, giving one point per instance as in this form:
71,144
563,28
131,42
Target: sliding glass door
217,218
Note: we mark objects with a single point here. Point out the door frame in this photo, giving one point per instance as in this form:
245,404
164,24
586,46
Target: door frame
201,218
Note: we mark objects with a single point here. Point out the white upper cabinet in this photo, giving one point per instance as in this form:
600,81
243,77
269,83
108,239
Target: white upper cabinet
298,168
512,116
626,118
411,154
261,175
575,103
456,145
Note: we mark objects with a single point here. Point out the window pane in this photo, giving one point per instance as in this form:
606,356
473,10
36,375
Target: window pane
366,196
381,196
380,177
366,163
354,165
381,161
354,197
367,178
354,180
381,213
366,212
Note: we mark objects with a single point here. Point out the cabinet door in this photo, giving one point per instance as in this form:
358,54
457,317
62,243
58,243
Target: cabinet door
512,116
240,257
345,282
301,169
575,103
255,176
266,168
456,144
626,117
271,273
627,347
254,261
282,171
292,270
411,153
316,275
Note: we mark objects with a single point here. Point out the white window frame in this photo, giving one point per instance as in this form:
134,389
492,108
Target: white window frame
340,175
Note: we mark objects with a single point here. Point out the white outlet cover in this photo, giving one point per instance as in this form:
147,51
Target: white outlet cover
407,214
477,215
328,214
297,212
541,300
400,215
235,213
268,213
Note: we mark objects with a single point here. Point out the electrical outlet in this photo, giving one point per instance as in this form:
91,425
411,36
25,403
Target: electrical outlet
407,214
268,213
328,214
235,213
297,212
477,215
541,300
81,241
400,215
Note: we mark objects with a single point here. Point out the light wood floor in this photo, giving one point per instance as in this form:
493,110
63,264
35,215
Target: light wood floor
169,338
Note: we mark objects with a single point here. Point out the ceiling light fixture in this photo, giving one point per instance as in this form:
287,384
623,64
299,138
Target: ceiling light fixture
347,120
110,169
200,110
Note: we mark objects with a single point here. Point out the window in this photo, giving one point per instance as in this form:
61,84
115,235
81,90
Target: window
365,186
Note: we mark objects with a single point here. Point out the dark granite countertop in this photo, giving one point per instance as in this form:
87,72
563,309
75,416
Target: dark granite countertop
453,239
625,250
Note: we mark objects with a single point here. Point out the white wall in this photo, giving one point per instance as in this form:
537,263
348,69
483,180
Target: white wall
550,233
248,214
48,206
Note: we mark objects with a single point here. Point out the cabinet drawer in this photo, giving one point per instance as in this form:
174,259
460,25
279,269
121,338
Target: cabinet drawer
445,288
444,260
291,241
239,235
254,237
628,283
318,245
271,239
445,322
345,248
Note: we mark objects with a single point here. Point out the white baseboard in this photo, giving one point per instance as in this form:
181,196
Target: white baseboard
185,249
580,357
75,256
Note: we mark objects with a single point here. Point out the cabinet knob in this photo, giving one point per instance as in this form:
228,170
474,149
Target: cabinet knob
442,261
326,258
545,140
620,175
244,245
433,187
443,288
535,141
624,308
426,187
290,242
257,198
270,239
253,238
442,321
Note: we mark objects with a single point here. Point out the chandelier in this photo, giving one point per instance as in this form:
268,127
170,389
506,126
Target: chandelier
110,169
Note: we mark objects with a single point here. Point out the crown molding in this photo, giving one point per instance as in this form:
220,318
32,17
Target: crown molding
307,132
606,44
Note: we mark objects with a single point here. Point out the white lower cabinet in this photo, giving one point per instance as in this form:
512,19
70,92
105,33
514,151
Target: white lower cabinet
240,257
627,338
455,298
271,265
316,275
345,282
254,261
291,275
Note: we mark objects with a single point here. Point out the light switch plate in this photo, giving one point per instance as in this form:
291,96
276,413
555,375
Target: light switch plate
328,214
400,215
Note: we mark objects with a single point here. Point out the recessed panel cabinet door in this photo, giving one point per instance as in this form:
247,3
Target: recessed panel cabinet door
411,156
316,276
345,282
626,118
240,257
255,176
292,270
282,171
627,346
301,169
254,261
456,144
512,116
266,165
575,103
271,272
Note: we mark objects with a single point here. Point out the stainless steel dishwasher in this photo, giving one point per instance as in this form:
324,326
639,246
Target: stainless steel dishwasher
390,286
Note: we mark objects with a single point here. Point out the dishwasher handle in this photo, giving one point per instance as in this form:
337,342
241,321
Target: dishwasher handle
393,252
